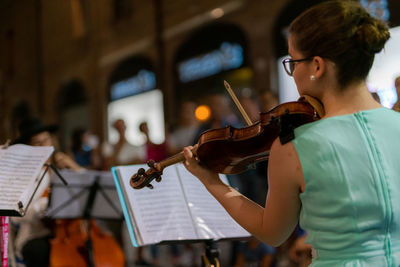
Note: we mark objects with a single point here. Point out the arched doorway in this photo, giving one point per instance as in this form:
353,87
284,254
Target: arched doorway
214,53
134,97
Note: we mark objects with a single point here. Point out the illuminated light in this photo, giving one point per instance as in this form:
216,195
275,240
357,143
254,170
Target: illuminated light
202,112
217,13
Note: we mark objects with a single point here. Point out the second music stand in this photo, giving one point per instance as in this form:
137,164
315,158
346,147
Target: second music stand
89,195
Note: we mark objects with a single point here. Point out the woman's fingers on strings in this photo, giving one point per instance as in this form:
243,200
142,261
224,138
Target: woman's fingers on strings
191,160
187,152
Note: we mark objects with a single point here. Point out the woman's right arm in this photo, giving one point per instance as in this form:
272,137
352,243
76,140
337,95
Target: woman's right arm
274,223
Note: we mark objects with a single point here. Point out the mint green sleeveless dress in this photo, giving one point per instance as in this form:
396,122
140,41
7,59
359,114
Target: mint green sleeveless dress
351,203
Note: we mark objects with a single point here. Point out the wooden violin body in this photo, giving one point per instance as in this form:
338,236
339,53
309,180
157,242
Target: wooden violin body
230,150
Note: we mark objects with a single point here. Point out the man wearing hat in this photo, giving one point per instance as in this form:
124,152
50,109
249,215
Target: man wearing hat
32,238
33,132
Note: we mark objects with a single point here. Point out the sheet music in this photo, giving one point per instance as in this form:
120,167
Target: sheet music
160,213
211,218
19,169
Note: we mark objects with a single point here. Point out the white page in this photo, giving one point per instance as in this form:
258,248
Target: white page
19,169
211,218
161,213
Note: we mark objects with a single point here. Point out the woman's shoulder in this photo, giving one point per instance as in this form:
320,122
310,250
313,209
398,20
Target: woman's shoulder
330,125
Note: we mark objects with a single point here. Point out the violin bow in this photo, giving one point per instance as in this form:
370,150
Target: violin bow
239,106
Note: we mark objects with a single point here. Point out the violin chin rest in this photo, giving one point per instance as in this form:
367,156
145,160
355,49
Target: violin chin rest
315,102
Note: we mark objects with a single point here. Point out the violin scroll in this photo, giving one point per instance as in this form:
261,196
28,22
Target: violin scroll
144,178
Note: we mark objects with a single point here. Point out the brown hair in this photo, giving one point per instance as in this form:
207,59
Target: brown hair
343,32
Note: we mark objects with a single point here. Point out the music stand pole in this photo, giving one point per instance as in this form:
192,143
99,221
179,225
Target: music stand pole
87,216
210,257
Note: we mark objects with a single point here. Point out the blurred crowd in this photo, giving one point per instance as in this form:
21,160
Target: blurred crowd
32,235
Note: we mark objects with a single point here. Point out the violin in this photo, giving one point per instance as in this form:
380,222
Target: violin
230,150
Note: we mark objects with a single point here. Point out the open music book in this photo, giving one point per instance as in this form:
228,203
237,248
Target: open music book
178,208
20,176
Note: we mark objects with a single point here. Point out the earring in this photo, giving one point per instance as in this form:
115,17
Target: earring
312,78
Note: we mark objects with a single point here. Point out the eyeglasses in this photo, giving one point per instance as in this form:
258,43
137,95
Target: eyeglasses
289,64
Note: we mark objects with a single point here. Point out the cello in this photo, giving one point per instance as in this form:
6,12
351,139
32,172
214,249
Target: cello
81,242
230,150
70,246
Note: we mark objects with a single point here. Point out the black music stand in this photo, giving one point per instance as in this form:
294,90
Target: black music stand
89,195
210,258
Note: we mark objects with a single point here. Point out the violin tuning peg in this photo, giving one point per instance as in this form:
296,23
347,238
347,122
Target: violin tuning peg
151,163
141,172
150,186
158,179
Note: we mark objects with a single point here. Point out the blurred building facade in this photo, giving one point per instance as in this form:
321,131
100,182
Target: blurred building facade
60,58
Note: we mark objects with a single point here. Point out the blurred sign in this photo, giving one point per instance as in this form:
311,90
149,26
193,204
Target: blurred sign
144,81
228,56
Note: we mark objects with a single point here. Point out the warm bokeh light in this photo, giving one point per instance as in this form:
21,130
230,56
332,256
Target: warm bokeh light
202,112
217,13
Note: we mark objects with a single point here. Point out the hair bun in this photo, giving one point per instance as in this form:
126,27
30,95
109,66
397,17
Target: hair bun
372,35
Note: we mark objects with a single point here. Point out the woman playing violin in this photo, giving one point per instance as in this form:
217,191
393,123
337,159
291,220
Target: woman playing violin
340,176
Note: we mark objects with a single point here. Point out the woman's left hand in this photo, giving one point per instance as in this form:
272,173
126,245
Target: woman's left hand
192,165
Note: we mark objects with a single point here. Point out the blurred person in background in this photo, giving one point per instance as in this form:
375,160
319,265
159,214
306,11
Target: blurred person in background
185,132
251,104
254,253
269,100
156,152
122,152
84,149
300,252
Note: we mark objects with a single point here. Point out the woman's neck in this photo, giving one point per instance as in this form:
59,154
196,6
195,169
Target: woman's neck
351,99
